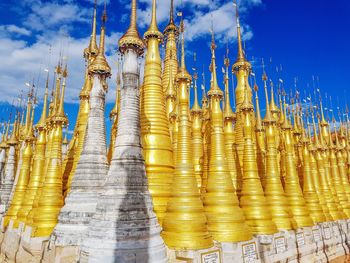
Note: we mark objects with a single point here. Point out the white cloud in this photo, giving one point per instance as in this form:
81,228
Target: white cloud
46,15
23,61
14,30
198,15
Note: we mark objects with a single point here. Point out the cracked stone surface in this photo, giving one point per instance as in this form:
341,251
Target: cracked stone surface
80,203
125,228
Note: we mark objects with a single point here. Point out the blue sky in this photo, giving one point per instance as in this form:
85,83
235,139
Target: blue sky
304,38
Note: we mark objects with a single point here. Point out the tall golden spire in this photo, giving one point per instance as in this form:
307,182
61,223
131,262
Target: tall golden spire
242,69
197,140
60,111
259,126
253,201
37,175
315,176
324,188
23,178
339,176
99,64
299,211
260,139
170,62
195,106
240,55
45,214
228,113
44,112
91,52
273,107
309,189
185,223
156,141
132,38
58,71
219,185
229,118
170,94
274,193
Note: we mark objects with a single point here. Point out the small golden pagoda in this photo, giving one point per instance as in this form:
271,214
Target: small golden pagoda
185,223
51,196
229,135
225,218
274,193
170,69
37,175
197,140
24,173
157,149
253,201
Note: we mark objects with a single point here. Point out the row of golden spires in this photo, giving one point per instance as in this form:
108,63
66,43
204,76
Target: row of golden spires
212,172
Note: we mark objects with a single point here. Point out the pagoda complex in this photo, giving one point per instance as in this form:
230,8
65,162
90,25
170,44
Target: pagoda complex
180,180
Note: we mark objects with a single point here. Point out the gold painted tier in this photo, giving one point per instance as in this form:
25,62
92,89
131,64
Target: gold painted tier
253,201
226,221
21,186
185,223
197,139
297,203
36,178
45,216
274,192
157,148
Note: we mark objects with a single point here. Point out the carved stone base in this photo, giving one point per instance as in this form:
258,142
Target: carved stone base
306,246
320,253
212,255
30,248
240,252
60,254
10,244
333,240
279,247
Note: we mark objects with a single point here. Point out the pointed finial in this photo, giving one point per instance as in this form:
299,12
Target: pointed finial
171,27
153,31
214,87
268,117
259,126
183,74
246,105
131,39
337,144
240,56
29,136
195,107
171,12
314,128
93,49
273,107
182,30
100,65
204,92
228,113
42,120
13,139
61,116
